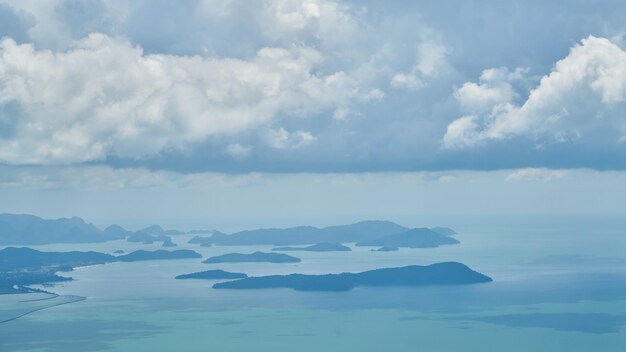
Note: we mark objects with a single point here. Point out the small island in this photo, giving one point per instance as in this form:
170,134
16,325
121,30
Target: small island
321,247
216,274
253,257
449,273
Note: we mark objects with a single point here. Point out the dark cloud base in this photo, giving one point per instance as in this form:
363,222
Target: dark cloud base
500,156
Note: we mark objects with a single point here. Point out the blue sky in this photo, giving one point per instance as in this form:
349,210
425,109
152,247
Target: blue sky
156,98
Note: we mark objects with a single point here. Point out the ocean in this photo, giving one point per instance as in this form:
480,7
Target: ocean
559,285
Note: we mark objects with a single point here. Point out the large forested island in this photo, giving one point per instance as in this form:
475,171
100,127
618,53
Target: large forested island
449,273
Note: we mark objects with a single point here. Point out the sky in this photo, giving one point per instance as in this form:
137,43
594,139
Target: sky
239,113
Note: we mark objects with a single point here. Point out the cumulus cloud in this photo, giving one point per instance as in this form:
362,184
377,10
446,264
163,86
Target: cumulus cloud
283,139
105,96
196,85
579,98
430,60
536,174
408,81
494,88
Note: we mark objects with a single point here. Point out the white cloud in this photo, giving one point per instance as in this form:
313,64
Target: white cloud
430,61
579,97
105,96
536,174
332,24
431,57
295,15
461,132
284,22
408,81
283,139
494,88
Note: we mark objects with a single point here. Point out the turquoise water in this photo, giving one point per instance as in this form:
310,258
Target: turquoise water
558,287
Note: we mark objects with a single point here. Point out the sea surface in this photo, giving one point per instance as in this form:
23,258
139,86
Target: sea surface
559,285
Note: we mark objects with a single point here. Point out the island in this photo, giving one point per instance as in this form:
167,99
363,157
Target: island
448,273
415,238
253,257
212,275
320,247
